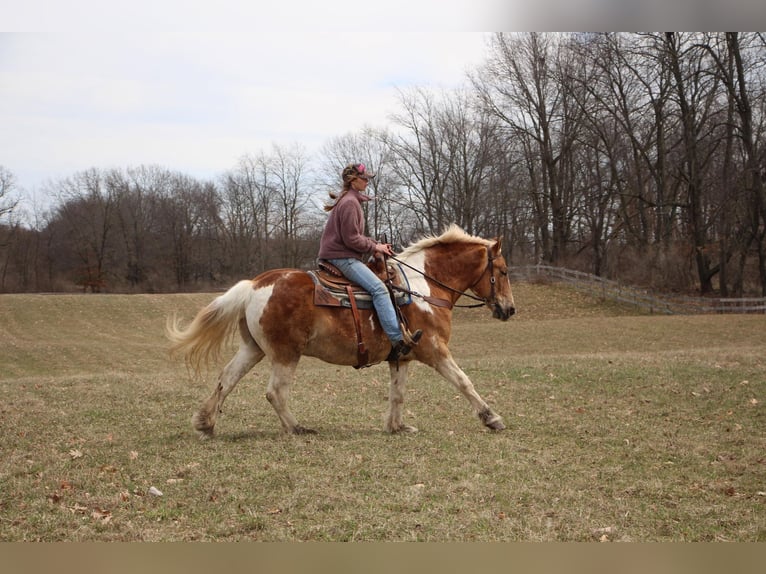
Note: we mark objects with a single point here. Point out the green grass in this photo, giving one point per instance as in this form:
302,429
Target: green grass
621,427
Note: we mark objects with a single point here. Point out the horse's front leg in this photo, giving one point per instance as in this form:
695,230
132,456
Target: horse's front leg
449,369
396,390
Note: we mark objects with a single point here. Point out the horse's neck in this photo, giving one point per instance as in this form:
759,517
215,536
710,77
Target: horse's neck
441,267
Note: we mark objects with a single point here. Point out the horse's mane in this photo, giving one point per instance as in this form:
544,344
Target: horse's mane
453,234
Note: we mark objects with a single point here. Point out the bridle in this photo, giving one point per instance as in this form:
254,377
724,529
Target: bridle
491,300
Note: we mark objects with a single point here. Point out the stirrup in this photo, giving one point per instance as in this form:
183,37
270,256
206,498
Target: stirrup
411,339
402,348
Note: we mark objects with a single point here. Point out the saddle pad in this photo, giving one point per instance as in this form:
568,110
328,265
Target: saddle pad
326,296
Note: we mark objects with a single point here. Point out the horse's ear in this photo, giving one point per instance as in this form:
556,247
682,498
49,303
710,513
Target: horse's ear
497,245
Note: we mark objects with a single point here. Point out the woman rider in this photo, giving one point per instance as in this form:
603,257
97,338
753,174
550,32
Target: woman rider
345,245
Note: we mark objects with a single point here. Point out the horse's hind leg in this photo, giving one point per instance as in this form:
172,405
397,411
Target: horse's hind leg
449,369
278,394
396,390
248,355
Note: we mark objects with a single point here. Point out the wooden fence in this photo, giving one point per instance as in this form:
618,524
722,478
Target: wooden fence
614,291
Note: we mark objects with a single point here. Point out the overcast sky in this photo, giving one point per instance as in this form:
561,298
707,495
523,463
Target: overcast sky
193,85
198,101
69,102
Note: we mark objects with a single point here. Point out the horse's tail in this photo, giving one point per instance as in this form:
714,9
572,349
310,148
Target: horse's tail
201,341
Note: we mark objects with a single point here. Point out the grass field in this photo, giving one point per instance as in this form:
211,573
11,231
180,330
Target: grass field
621,427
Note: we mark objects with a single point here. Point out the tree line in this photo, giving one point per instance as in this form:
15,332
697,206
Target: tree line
637,157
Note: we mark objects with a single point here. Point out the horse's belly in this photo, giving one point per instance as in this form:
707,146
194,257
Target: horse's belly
335,339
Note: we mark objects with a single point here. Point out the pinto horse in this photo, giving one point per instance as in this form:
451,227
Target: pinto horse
277,317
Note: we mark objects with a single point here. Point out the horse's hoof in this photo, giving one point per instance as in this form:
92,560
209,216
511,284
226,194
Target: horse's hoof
404,429
491,420
202,425
496,425
303,430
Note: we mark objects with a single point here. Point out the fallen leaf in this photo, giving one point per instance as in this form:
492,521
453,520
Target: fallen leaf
603,534
133,455
753,402
75,453
103,516
274,511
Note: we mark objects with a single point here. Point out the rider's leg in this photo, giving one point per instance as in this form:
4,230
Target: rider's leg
356,271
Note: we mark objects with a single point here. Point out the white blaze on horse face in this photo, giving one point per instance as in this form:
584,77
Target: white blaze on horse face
255,312
417,281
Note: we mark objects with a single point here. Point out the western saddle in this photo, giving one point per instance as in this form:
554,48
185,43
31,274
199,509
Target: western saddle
332,289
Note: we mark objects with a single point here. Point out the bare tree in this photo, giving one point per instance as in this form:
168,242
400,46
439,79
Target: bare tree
288,170
84,219
137,192
189,212
734,67
521,86
248,206
470,135
421,160
7,232
695,95
7,187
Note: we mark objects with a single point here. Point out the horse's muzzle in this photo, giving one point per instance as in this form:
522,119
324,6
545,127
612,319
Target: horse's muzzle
503,312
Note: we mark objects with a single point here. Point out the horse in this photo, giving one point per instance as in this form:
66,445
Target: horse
277,317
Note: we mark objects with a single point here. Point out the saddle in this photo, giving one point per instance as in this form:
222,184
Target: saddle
332,289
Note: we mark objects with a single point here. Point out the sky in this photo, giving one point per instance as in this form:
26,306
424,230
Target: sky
194,85
70,102
197,99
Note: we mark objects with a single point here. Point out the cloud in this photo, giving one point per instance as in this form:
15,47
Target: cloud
198,102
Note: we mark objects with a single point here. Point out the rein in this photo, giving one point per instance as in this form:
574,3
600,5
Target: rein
441,302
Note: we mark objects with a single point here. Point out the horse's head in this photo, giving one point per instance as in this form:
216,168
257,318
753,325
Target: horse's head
458,262
494,285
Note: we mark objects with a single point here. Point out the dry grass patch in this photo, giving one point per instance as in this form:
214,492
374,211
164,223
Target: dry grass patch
621,427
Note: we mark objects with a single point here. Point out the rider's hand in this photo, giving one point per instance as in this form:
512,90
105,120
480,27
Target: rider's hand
384,248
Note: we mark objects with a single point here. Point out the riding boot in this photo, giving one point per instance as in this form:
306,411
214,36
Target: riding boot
401,348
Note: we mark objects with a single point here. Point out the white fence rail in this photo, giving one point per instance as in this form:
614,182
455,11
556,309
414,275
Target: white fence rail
667,304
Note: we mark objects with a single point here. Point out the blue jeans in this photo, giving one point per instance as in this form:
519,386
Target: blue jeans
356,271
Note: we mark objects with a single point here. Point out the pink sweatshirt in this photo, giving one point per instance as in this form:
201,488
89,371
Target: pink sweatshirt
343,235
